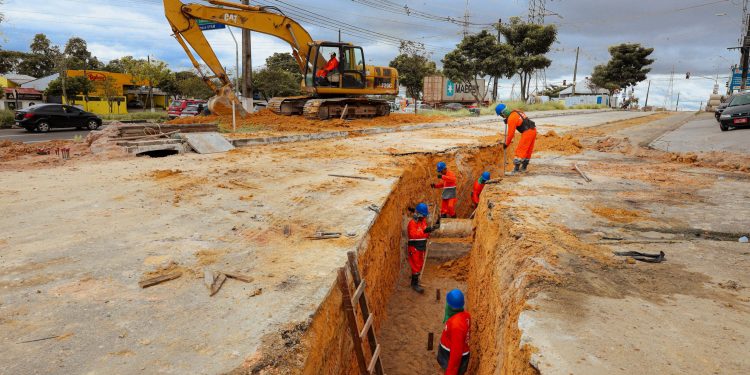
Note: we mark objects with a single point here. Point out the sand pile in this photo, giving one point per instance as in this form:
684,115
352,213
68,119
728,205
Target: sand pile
723,160
10,150
267,120
551,141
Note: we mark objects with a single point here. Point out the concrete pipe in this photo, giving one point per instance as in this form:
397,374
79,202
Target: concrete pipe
454,228
715,97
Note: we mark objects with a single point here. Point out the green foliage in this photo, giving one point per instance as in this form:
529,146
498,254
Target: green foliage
114,66
41,61
153,73
283,61
529,43
275,82
477,55
7,118
553,91
412,66
10,60
190,85
627,66
73,85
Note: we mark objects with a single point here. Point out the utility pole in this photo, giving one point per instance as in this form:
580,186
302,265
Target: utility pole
339,35
648,90
745,42
678,102
466,21
247,68
494,81
575,71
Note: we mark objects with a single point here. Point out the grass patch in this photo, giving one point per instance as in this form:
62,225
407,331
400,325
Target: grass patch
7,118
589,106
157,116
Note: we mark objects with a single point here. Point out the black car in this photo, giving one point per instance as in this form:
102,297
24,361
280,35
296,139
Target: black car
737,112
722,106
43,117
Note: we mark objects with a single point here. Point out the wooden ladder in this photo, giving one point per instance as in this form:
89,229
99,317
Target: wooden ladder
350,301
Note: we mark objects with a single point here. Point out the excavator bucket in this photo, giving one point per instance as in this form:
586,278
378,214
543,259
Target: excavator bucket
221,104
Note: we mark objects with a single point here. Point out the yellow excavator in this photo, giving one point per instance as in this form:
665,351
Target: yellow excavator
339,89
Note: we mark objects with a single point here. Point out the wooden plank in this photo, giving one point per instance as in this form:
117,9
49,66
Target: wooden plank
351,320
375,360
240,277
367,326
208,278
358,293
575,165
218,283
159,279
355,177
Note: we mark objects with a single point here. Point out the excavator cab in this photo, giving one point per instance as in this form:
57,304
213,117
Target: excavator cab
349,71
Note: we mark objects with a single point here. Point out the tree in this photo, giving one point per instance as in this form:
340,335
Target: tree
283,61
72,85
153,72
41,61
477,56
412,65
529,43
553,90
275,82
627,66
108,90
10,60
79,56
190,85
114,66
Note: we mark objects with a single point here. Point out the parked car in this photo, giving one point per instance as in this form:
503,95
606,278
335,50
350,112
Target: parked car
454,106
135,104
421,107
737,112
177,106
722,106
43,117
192,110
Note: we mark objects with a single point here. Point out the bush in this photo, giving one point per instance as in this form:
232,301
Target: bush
7,118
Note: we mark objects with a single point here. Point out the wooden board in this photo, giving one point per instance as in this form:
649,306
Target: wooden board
159,279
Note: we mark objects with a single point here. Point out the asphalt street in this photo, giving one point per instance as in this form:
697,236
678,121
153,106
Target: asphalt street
21,135
702,135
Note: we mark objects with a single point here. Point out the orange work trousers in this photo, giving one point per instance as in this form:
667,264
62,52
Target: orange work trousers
526,144
416,260
448,207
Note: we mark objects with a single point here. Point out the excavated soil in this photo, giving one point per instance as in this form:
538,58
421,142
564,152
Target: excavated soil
41,152
267,120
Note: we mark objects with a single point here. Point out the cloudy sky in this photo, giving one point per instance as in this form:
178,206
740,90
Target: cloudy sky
688,35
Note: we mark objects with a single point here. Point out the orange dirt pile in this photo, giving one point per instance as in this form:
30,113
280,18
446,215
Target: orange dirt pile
267,120
457,269
552,142
164,173
727,161
10,150
618,215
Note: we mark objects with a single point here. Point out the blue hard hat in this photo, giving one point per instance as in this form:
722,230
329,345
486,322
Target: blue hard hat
441,166
486,176
500,108
422,209
455,299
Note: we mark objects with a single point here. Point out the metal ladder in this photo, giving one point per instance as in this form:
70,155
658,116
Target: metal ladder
350,302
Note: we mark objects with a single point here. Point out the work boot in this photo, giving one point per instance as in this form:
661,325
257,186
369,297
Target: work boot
516,167
524,164
415,284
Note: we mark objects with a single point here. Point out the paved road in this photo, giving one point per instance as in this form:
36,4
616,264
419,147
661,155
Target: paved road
702,135
21,135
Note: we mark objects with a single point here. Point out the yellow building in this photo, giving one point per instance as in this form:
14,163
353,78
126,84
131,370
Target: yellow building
125,92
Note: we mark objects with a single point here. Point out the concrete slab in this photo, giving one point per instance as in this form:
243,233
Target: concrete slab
208,143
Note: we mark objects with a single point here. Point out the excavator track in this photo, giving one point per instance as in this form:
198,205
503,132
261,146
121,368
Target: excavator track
348,108
290,105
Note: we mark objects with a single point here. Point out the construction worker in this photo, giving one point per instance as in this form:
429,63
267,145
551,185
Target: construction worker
478,187
517,120
448,206
453,352
331,65
418,232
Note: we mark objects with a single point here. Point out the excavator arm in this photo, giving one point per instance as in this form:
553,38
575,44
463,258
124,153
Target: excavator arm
267,20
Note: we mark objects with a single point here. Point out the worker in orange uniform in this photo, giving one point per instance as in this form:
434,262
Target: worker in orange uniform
518,120
478,187
453,353
331,65
418,232
448,206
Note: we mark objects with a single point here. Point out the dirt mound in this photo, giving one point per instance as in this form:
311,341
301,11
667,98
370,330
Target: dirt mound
457,269
164,173
612,144
723,160
552,142
267,120
618,215
10,150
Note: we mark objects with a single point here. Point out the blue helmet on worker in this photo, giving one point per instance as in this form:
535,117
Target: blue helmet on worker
441,166
502,110
455,299
485,175
422,210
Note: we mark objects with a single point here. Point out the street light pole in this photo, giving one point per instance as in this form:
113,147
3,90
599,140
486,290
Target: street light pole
236,60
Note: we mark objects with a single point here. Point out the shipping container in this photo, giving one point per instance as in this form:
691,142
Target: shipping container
440,90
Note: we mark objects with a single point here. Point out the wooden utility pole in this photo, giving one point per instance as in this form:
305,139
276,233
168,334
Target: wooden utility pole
648,90
247,66
745,54
494,81
575,71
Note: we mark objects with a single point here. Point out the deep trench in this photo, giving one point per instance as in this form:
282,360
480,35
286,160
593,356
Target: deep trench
403,318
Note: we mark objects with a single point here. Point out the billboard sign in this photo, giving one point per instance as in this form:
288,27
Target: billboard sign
209,25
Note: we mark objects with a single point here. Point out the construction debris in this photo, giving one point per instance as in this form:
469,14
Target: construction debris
324,235
159,279
643,257
240,277
355,177
578,169
218,282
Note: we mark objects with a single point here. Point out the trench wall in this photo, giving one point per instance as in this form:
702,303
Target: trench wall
327,342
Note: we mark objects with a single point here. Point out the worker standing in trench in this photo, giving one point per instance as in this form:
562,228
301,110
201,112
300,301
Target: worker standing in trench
418,232
453,352
517,120
478,187
448,184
